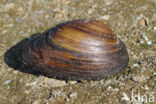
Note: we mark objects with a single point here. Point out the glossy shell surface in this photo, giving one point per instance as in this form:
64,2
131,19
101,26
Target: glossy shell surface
79,49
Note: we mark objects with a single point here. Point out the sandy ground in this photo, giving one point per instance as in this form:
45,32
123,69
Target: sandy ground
134,21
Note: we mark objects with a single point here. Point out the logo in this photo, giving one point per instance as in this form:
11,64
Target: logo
139,98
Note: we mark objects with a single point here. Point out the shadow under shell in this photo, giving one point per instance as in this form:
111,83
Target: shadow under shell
74,50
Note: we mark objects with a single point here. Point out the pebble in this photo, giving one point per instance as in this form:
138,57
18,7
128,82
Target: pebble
109,2
105,17
9,6
154,28
7,82
36,102
116,89
73,95
146,87
140,78
72,82
65,2
142,22
149,42
90,11
135,65
67,99
109,88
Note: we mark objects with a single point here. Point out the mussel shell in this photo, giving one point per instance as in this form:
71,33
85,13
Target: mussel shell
79,49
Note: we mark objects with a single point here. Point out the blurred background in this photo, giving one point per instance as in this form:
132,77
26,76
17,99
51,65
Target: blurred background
134,21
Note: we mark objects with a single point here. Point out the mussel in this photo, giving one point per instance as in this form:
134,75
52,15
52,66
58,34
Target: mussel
75,50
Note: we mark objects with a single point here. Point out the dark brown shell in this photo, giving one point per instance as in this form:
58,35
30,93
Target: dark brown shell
79,49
